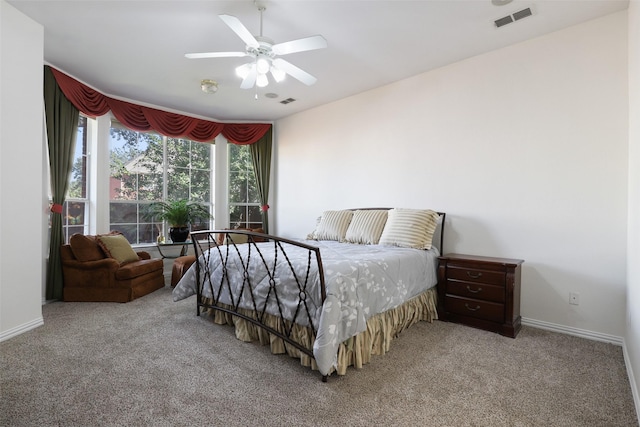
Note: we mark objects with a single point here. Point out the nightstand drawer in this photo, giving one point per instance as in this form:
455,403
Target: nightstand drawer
486,310
480,291
475,275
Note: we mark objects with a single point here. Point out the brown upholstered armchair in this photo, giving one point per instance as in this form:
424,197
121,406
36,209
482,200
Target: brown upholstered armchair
101,268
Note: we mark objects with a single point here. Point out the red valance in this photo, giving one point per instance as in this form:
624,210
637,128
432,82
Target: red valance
245,133
140,118
89,101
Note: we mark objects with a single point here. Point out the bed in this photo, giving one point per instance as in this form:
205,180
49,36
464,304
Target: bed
332,300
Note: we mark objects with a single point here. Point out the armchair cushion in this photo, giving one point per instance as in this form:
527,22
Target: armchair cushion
137,269
84,248
117,246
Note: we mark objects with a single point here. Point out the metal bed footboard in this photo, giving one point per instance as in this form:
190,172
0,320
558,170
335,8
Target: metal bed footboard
225,245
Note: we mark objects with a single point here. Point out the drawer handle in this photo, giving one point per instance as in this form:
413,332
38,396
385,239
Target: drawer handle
476,275
474,291
472,309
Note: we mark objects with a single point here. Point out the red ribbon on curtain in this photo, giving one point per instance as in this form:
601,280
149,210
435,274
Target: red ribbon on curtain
264,208
93,104
56,208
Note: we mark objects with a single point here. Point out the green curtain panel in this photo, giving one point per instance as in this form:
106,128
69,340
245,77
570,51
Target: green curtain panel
261,158
62,122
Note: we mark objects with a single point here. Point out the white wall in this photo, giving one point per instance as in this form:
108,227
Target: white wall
632,338
21,160
525,148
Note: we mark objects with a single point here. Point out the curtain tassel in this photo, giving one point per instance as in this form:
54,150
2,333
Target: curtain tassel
56,208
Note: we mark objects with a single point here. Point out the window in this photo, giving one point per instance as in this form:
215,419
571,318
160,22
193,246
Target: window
75,210
147,167
189,173
244,201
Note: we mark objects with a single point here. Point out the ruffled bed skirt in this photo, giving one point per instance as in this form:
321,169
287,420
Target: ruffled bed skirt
356,351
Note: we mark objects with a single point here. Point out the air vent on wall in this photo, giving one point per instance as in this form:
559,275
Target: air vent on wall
513,17
287,101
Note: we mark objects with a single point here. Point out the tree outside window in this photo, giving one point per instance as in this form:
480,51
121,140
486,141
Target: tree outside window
140,161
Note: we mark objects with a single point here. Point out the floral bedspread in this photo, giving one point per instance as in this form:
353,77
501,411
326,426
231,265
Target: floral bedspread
361,281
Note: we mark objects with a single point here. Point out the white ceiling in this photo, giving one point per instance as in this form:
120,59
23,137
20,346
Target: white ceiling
135,50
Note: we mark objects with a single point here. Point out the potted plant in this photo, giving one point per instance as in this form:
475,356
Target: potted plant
179,214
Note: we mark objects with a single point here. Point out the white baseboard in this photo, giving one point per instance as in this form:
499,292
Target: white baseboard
583,333
21,329
632,379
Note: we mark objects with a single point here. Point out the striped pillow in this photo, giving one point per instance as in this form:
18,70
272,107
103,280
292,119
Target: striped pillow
410,228
366,226
333,225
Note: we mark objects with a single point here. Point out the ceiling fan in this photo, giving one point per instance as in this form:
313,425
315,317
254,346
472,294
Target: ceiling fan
264,54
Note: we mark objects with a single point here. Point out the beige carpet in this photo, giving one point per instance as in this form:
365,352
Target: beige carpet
152,362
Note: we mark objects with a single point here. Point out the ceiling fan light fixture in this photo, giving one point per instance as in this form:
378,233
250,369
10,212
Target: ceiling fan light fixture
278,74
262,65
262,80
243,70
209,86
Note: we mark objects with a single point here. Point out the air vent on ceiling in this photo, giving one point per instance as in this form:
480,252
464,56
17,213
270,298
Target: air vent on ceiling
513,17
287,101
522,14
504,21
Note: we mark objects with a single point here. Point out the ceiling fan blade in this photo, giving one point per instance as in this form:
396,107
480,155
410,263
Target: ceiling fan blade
250,80
300,45
242,32
294,71
215,55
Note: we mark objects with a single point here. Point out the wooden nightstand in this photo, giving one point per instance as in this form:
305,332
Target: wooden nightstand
482,292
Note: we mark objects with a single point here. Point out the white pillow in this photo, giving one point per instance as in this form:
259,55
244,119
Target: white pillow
409,228
312,235
366,226
333,225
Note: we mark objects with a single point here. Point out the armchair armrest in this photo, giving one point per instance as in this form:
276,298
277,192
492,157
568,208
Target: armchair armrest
143,255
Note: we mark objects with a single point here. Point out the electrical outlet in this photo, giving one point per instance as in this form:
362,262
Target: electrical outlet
574,298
